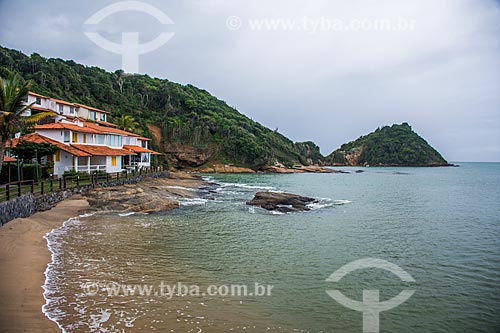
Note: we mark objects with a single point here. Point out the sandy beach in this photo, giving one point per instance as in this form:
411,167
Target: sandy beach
24,254
23,259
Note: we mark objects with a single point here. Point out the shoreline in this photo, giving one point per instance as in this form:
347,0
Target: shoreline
25,251
24,256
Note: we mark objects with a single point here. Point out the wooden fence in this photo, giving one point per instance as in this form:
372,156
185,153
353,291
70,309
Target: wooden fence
16,189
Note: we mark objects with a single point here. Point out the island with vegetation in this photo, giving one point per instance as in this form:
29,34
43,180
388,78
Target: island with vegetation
396,145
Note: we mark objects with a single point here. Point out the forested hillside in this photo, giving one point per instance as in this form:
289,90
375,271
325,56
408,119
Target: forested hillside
188,123
390,145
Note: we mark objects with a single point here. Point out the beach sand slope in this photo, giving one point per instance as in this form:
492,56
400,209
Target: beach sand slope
23,259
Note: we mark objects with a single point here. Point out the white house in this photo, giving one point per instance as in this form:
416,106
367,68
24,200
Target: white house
86,140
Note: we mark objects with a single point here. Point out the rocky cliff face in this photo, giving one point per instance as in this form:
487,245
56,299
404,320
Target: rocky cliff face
185,156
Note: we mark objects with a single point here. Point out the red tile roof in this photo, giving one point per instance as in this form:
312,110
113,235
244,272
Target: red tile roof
38,138
105,123
9,159
74,128
101,150
143,138
37,108
60,101
35,94
104,129
138,149
91,108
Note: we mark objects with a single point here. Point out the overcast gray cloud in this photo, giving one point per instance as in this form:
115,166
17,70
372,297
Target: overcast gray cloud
329,85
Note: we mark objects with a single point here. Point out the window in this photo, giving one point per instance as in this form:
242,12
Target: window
102,117
75,137
60,107
66,136
58,156
38,101
114,140
71,110
113,160
100,139
92,115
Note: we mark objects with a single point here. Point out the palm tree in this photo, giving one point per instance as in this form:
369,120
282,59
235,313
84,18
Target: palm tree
127,123
13,94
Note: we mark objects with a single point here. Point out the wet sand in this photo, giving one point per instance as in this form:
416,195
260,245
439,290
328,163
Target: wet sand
23,259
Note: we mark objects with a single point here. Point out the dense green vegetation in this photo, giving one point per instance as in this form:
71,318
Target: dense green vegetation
185,114
389,145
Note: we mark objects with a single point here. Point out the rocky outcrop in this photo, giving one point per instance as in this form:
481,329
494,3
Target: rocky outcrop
281,202
226,168
319,169
148,196
185,156
279,169
300,169
309,152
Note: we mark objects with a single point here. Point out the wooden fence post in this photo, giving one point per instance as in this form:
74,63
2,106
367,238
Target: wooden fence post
19,189
7,192
41,189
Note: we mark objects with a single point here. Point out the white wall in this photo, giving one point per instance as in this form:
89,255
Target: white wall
65,163
44,102
82,112
110,168
53,134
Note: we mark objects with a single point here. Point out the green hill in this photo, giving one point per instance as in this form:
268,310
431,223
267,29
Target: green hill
189,124
396,145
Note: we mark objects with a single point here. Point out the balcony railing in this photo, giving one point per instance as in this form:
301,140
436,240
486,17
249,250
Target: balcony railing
83,168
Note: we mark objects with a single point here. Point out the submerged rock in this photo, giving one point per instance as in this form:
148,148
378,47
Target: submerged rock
281,202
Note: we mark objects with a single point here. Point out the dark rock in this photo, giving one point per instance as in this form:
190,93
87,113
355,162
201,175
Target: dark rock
281,202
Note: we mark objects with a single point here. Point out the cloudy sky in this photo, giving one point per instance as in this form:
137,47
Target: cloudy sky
320,70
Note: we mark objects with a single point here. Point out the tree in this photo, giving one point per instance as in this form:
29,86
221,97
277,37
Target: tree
13,94
27,150
127,123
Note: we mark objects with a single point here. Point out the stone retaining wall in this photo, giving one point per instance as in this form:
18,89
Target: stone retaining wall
28,204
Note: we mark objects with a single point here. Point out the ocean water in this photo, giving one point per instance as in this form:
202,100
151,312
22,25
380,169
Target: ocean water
440,225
